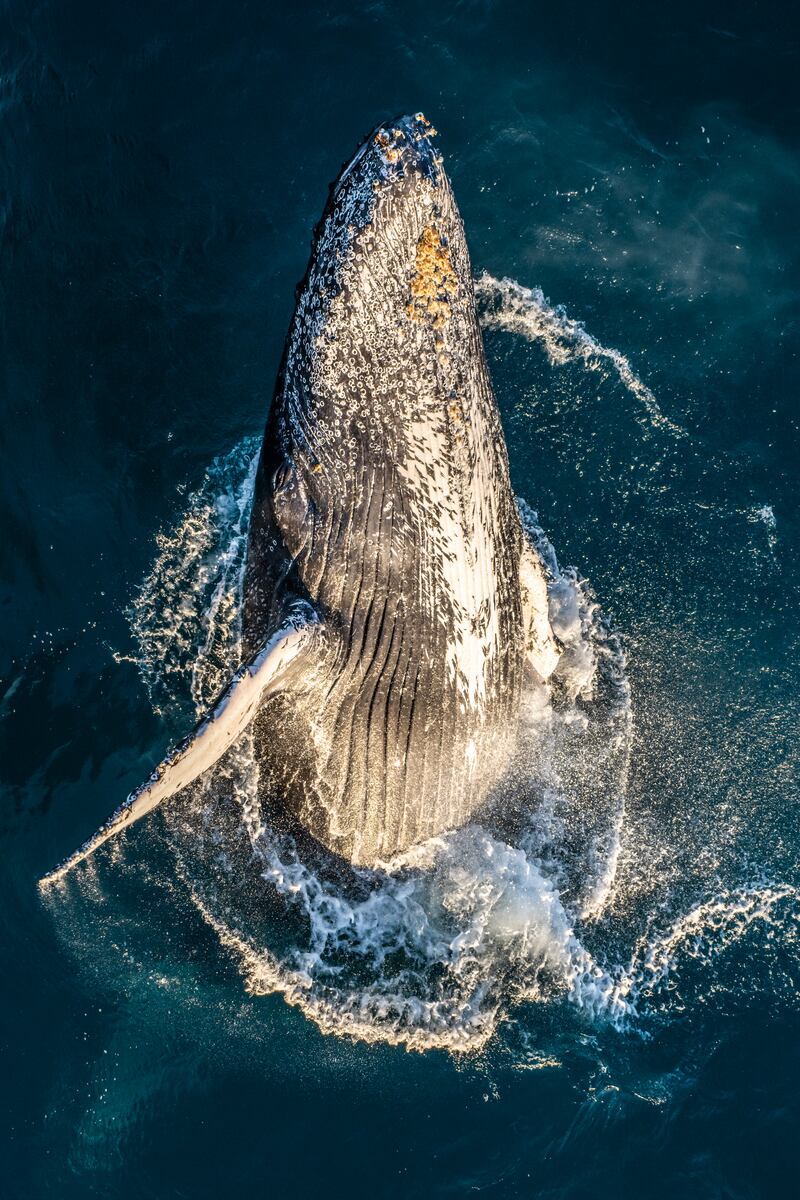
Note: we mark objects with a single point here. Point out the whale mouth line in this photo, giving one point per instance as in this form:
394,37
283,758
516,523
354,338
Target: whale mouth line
354,161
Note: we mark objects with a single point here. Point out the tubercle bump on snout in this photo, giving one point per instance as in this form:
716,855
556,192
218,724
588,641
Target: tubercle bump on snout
405,144
410,137
392,149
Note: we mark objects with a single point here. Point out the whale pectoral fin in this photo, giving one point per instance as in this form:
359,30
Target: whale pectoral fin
280,664
542,647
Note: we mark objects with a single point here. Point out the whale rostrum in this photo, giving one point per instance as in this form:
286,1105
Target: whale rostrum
394,612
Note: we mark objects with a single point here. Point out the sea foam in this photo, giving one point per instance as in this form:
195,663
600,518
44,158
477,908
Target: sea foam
440,946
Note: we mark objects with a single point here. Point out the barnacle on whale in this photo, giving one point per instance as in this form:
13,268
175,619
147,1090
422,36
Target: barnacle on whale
434,281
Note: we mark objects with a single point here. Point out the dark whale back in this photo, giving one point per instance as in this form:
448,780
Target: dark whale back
383,498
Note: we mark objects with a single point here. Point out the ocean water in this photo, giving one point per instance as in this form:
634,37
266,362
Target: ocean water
609,1005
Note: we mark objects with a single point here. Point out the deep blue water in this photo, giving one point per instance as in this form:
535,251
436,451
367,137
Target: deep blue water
161,169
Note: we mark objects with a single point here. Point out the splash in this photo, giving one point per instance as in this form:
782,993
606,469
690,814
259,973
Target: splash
593,719
508,305
433,950
442,946
705,932
430,956
764,514
473,924
185,616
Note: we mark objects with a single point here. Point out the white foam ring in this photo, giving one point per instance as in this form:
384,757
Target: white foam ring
708,929
438,948
506,304
437,945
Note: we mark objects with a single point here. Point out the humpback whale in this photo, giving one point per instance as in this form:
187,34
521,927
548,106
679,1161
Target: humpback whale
394,612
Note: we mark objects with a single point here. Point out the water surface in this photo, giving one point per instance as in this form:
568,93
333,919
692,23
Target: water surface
629,182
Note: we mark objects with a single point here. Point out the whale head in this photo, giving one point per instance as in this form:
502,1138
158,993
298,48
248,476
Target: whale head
369,361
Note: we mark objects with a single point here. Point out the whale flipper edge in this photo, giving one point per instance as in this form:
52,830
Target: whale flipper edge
279,665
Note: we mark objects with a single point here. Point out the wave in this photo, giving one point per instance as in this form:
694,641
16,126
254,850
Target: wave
508,305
